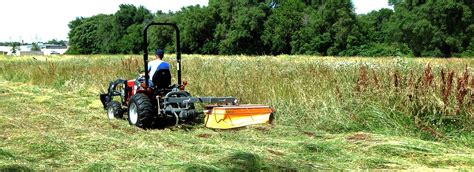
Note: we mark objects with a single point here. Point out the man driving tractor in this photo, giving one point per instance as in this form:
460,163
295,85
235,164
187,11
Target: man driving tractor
156,65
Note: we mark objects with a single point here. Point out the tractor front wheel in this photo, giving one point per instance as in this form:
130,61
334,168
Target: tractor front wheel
140,111
114,110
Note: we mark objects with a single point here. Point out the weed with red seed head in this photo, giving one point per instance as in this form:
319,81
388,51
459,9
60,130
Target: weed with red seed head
428,76
471,102
461,89
447,86
376,79
363,79
396,79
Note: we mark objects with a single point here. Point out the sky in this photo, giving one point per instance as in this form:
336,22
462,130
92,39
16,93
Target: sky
33,20
366,6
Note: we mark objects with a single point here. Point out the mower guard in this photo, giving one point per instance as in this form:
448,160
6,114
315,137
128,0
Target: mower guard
227,117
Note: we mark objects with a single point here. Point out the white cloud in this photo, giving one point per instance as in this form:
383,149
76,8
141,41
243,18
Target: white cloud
366,6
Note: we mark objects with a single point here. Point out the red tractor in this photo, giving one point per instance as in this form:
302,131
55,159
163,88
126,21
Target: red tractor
165,104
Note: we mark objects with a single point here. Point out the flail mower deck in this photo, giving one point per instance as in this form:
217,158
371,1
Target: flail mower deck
165,105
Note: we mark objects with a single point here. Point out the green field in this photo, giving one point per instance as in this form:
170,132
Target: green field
332,113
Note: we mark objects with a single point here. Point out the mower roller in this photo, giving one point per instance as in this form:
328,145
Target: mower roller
165,104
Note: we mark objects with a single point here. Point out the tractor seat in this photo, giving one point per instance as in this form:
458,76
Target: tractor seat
161,79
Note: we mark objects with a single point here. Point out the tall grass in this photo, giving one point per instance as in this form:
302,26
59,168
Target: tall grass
426,97
436,101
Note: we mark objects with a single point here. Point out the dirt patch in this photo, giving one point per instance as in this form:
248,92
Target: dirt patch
310,134
275,152
204,135
358,137
114,126
263,128
172,145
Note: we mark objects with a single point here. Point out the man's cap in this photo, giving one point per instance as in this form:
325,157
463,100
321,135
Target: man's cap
159,52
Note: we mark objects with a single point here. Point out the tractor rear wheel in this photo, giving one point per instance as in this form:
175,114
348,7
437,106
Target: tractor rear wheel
140,111
114,110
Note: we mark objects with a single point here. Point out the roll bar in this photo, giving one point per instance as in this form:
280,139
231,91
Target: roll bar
145,49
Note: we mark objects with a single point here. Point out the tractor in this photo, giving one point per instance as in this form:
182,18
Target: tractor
162,104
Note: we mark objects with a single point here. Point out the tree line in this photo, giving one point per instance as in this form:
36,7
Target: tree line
435,28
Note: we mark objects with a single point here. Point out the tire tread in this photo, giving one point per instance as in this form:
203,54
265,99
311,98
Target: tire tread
144,110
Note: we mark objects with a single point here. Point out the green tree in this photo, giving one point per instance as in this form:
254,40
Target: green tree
128,14
35,47
327,29
162,37
375,25
322,27
128,34
434,28
285,19
131,42
197,26
56,42
111,34
84,37
241,25
469,52
14,48
376,35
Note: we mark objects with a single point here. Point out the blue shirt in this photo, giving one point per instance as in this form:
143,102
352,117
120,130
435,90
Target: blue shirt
154,66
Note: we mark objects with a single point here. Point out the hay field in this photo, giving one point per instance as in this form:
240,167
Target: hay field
332,113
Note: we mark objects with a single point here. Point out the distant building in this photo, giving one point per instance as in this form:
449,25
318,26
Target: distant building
26,47
8,50
4,50
50,49
45,49
39,53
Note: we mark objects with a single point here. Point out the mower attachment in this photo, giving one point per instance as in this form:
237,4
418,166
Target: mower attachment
227,117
